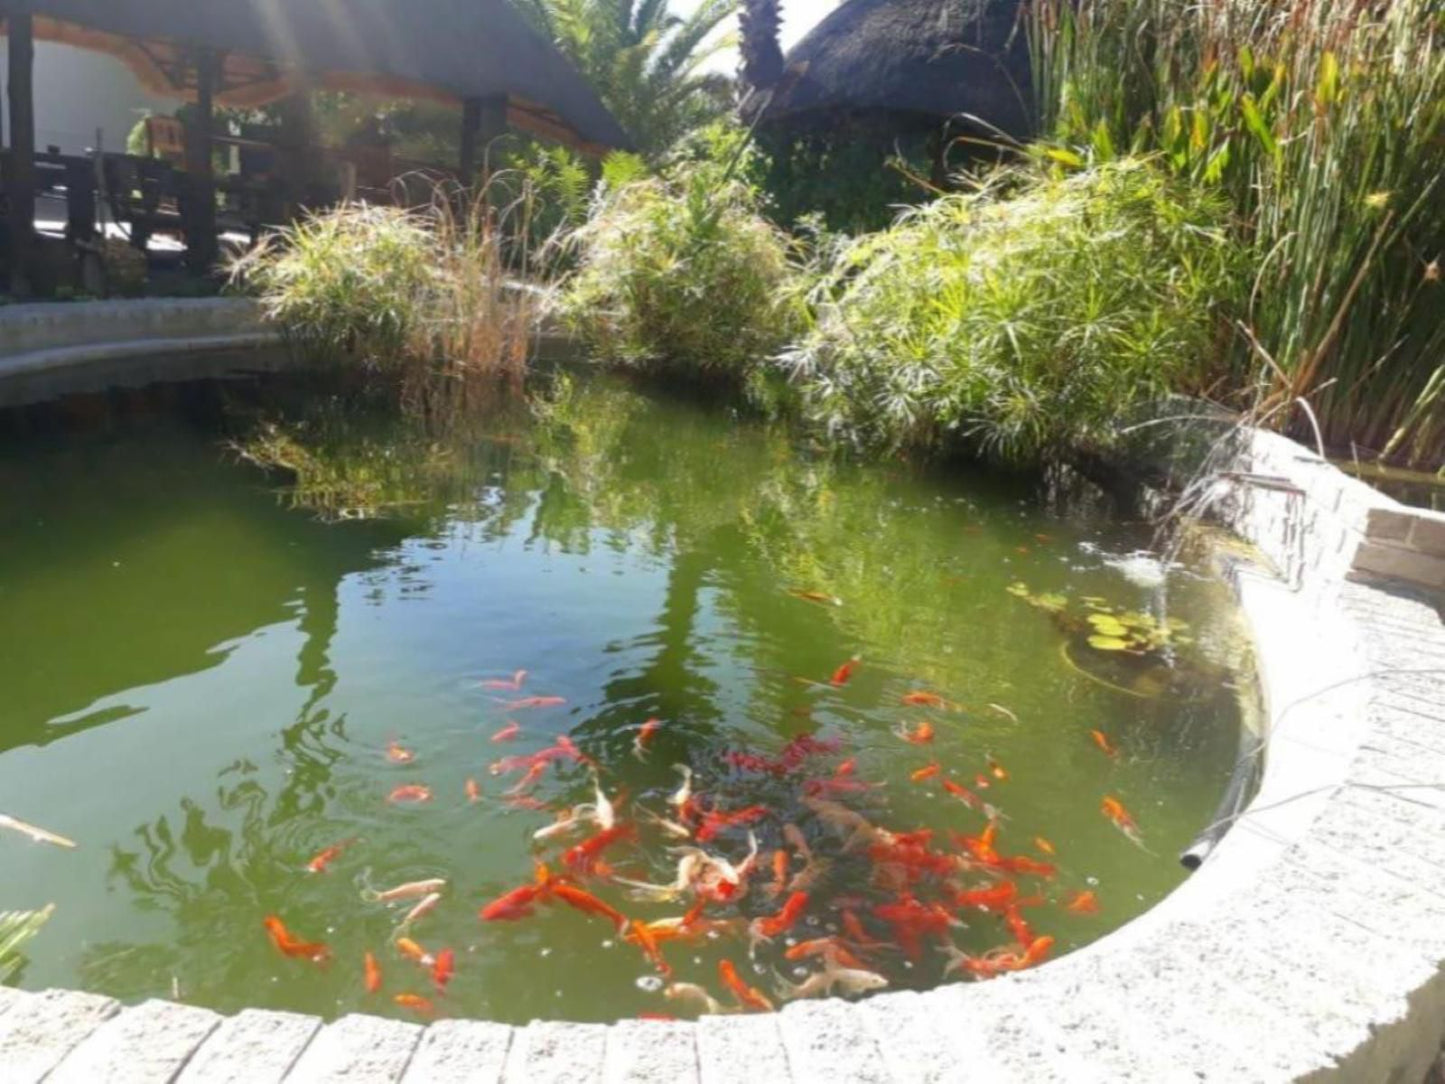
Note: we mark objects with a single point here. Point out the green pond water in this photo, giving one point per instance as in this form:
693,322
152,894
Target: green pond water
204,662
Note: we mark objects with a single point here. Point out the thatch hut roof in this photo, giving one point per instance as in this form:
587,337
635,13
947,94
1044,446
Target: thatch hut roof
930,58
446,50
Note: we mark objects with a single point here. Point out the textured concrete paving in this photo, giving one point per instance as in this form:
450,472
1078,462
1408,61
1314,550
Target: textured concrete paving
1309,946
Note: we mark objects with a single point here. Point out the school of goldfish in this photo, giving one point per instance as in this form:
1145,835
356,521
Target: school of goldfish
808,883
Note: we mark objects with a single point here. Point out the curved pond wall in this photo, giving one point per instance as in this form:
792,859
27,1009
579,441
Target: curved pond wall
1308,946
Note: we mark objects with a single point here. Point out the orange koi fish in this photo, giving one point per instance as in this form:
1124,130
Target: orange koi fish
783,921
1020,863
715,820
746,996
289,945
997,770
644,735
535,702
970,799
474,792
1018,926
641,935
921,698
373,973
582,857
1083,902
524,801
661,1017
843,673
415,1002
922,734
780,873
414,952
528,781
325,858
815,596
511,684
981,781
1044,846
518,902
398,754
997,898
910,919
853,927
443,969
1037,950
847,768
410,792
833,951
922,775
508,732
588,904
1115,811
1105,745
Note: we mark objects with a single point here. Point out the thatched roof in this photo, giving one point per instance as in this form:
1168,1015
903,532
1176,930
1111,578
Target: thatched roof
931,58
448,50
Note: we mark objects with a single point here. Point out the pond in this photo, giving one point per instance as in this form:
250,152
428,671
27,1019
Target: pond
913,688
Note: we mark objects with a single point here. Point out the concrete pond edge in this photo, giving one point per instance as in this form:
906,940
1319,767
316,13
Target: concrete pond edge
1309,945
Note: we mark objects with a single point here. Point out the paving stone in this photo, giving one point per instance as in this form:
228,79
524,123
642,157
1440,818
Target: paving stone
144,1045
460,1052
650,1052
10,997
923,1042
39,1031
357,1049
741,1050
553,1052
826,1040
252,1047
1023,1044
1407,727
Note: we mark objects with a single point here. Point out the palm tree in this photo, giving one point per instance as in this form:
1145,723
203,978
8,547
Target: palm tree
646,63
762,56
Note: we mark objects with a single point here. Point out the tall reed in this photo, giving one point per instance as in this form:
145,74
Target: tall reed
1323,121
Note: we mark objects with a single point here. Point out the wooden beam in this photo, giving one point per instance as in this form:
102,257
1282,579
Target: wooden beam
20,165
200,221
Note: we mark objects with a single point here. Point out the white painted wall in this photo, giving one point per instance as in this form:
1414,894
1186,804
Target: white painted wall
78,91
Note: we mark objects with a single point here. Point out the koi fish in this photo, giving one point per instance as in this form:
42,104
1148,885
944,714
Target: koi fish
511,684
670,828
746,996
474,792
443,969
845,769
398,754
424,907
1044,846
780,873
921,698
691,992
644,735
970,799
575,818
535,702
524,801
326,857
681,800
815,596
289,945
410,792
373,973
911,918
582,858
1020,863
689,870
414,952
843,673
407,891
528,781
766,928
1083,902
997,898
1018,926
639,934
833,951
604,813
997,770
927,772
508,732
715,821
415,1002
853,927
659,1017
588,904
1105,745
981,781
518,903
922,734
1115,811
849,979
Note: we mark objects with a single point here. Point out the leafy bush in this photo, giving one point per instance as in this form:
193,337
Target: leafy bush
1025,318
682,273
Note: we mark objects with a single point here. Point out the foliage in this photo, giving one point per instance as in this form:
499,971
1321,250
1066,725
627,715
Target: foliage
1323,123
682,273
646,62
16,928
1026,317
423,295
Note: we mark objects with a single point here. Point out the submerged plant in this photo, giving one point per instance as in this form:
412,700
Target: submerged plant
1025,319
16,928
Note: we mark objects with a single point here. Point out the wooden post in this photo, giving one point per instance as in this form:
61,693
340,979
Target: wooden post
20,167
200,176
471,119
491,126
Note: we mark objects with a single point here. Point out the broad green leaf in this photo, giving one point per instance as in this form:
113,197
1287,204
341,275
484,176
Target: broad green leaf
1254,121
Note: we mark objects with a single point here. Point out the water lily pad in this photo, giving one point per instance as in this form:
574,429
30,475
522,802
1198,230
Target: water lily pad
1050,602
1108,643
1107,625
1019,589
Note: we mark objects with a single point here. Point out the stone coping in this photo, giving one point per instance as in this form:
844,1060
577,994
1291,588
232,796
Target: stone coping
1308,946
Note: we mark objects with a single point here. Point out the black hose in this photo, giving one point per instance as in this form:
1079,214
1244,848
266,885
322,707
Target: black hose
1236,797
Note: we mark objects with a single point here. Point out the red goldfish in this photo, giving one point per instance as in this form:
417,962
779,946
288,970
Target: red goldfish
373,973
1115,811
511,684
415,1002
1044,846
922,775
518,902
780,872
920,698
1102,741
833,951
997,898
508,732
910,919
715,821
847,768
981,781
410,792
584,901
582,858
289,945
325,858
474,792
644,735
815,596
783,921
528,781
1083,902
641,935
535,702
442,969
853,927
1018,926
922,734
399,755
747,997
843,673
970,799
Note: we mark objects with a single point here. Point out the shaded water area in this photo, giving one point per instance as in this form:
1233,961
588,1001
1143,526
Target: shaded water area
205,663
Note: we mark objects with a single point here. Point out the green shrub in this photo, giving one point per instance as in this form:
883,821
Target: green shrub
1024,319
683,274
